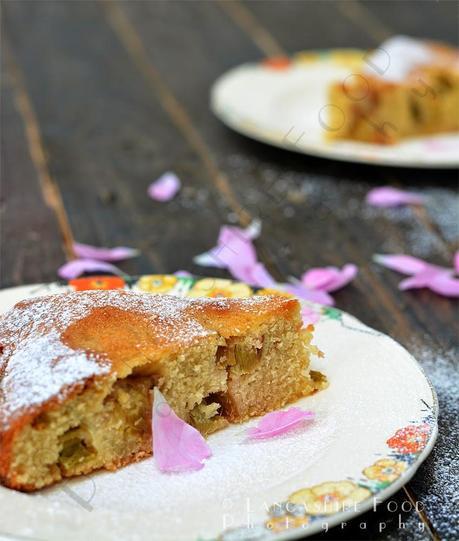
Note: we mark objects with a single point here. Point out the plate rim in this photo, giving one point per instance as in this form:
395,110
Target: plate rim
337,518
235,123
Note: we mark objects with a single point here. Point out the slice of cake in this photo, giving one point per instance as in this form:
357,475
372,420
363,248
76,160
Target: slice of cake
405,88
77,372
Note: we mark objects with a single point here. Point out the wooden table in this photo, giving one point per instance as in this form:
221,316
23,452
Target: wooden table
99,99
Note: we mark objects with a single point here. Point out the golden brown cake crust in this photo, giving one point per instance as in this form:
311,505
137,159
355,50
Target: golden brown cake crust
52,347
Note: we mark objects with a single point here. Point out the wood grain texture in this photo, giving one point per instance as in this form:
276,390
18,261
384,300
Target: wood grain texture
108,137
120,92
31,244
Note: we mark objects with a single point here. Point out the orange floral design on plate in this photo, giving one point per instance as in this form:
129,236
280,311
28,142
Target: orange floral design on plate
411,439
97,282
277,62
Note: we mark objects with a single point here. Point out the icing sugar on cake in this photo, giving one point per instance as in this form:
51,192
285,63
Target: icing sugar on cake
36,365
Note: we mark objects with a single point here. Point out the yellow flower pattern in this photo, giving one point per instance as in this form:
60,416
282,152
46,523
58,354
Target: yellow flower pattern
330,497
286,522
219,287
157,283
385,470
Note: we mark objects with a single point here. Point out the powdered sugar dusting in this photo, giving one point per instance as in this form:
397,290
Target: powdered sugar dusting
35,365
41,368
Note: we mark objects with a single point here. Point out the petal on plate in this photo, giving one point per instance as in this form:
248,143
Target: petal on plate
309,316
329,278
77,267
387,196
177,446
456,262
165,187
119,253
405,264
279,422
313,295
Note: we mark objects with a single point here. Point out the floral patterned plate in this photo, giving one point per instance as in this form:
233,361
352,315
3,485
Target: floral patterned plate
375,424
284,102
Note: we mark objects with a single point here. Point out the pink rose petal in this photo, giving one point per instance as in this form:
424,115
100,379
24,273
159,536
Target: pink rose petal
177,446
386,196
165,188
236,252
440,282
445,285
456,262
319,278
309,316
86,251
183,274
329,278
279,422
234,247
313,295
77,267
261,277
405,264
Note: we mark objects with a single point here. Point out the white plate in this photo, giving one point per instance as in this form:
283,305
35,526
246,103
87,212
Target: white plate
285,107
379,406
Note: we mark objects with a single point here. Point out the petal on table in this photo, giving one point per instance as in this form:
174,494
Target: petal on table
165,187
405,264
387,196
119,253
329,278
77,267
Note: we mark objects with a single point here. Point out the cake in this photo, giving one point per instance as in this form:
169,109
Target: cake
405,88
77,372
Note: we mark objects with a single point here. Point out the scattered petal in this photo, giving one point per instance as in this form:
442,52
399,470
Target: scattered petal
456,262
177,446
440,282
253,230
405,264
77,267
329,278
261,277
309,316
312,295
422,274
445,285
183,274
234,247
86,251
279,422
386,196
165,188
235,251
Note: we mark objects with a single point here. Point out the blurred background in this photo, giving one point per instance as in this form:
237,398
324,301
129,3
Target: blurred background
100,98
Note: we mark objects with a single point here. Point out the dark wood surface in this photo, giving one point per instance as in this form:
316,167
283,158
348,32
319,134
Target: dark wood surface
100,98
